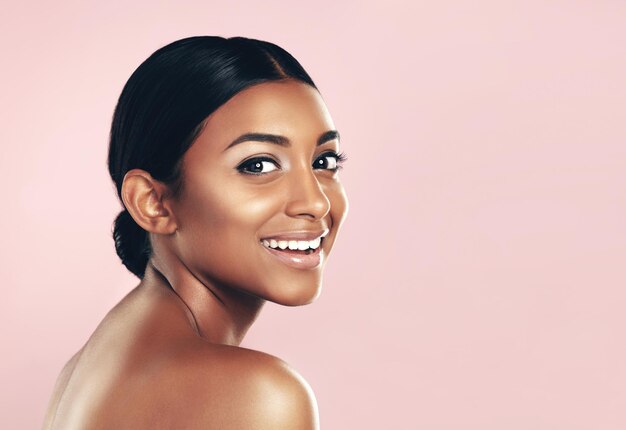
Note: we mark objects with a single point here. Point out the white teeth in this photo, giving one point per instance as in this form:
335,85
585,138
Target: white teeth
315,243
301,245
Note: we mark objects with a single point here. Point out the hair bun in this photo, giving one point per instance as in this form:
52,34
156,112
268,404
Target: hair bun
131,243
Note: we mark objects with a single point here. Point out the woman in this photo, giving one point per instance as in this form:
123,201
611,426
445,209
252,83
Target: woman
226,161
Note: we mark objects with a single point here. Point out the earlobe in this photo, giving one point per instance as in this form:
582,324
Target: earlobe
144,198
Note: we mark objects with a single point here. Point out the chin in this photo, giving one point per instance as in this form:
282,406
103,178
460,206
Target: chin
297,295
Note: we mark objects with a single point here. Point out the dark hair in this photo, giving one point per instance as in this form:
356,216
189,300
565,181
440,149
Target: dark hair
162,109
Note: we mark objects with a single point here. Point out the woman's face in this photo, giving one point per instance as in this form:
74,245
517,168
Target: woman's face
262,174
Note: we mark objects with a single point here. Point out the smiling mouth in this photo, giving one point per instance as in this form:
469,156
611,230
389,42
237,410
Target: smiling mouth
302,247
299,254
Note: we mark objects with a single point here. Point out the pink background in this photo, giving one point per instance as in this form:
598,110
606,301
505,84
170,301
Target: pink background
479,280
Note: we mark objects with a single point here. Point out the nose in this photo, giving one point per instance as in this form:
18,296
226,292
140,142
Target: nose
306,196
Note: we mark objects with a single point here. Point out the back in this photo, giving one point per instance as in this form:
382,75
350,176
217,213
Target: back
145,367
130,334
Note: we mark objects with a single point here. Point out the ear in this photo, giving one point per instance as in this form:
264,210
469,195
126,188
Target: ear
145,199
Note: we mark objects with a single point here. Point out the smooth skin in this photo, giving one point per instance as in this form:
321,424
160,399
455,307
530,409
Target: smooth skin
168,356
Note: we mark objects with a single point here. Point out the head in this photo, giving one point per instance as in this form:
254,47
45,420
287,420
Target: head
221,149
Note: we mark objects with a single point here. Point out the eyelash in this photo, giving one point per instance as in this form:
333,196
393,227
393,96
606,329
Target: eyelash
340,158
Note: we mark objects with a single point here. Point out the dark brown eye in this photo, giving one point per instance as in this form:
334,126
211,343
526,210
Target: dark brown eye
327,161
258,166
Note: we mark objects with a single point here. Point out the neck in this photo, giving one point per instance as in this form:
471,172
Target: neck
220,315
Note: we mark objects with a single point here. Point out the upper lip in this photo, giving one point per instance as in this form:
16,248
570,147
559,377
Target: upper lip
297,235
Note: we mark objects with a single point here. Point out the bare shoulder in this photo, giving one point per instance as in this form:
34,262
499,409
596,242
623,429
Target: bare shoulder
237,388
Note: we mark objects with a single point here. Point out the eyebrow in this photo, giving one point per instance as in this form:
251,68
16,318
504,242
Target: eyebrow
280,140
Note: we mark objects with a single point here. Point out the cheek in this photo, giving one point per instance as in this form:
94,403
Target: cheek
244,208
220,224
222,244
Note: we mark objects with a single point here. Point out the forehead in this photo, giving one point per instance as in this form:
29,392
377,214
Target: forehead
289,108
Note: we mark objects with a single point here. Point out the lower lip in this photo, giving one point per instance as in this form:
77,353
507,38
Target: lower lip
297,260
